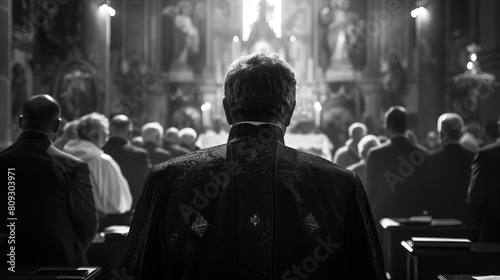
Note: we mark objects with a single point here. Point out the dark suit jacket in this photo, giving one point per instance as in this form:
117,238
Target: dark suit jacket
134,163
54,206
157,154
484,192
253,209
449,178
175,149
397,179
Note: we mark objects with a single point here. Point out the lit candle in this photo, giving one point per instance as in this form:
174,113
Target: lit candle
317,114
236,47
292,48
205,114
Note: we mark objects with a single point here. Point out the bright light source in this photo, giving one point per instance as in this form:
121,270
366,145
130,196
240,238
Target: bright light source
236,39
418,11
473,57
317,106
206,106
470,65
105,8
293,39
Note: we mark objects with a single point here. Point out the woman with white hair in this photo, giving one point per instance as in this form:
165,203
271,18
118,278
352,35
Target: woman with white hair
365,144
109,186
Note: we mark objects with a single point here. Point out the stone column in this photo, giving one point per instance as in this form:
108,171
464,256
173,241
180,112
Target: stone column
5,56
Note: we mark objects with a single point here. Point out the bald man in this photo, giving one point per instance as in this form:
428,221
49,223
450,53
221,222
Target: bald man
54,217
134,161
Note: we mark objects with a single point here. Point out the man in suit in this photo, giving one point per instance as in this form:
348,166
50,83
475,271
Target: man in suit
397,171
134,162
152,133
171,142
450,171
254,208
53,215
484,191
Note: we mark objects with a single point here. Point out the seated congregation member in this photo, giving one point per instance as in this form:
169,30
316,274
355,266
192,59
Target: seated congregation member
69,133
484,191
54,207
111,192
152,133
253,208
187,139
397,172
450,171
364,146
171,142
134,161
348,154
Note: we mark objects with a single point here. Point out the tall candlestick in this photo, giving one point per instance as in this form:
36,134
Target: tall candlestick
236,47
317,114
310,70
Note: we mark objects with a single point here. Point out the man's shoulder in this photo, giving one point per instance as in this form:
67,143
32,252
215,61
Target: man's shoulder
63,156
318,164
134,150
341,150
491,148
194,161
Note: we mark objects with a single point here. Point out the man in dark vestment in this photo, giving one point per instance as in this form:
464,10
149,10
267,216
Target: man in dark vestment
54,218
450,171
253,208
397,172
134,162
484,191
152,133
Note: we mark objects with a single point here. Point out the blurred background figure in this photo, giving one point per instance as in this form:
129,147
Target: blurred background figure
171,142
69,133
349,154
449,171
137,141
152,134
187,139
471,138
490,132
364,146
134,162
484,191
397,172
110,188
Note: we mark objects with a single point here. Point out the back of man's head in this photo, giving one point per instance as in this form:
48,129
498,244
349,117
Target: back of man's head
40,112
93,127
366,143
152,132
450,127
396,120
259,87
120,126
357,131
171,135
187,137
